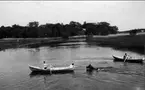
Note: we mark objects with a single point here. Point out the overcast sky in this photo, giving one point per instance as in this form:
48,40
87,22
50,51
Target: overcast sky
124,14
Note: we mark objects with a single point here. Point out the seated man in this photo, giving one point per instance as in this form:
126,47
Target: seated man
72,65
45,65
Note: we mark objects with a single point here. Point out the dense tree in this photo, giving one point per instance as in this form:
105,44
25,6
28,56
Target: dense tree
100,28
133,32
34,30
33,24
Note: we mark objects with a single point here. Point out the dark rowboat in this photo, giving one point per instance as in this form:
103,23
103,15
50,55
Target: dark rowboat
119,59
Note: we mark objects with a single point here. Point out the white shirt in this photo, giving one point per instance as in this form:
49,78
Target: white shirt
45,65
71,66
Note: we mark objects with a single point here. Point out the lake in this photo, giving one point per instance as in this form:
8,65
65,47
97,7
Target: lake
16,75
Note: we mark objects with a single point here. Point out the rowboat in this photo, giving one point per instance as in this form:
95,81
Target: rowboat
52,69
130,60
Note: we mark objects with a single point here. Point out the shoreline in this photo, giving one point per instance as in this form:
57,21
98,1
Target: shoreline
124,42
8,43
134,43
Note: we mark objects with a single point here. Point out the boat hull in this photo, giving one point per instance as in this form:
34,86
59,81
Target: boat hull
118,59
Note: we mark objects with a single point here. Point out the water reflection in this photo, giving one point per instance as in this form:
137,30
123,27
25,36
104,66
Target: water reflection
126,63
91,72
34,74
37,74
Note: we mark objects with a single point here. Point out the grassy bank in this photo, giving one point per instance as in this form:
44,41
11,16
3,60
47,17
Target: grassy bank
136,43
34,42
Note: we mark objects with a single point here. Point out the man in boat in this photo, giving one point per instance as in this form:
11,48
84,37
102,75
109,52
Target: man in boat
46,65
72,65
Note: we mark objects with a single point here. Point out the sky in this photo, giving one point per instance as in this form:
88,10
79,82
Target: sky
125,15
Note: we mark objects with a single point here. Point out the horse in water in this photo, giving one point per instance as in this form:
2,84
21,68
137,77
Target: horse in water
90,68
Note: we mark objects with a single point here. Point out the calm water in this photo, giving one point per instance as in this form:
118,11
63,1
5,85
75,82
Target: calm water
15,74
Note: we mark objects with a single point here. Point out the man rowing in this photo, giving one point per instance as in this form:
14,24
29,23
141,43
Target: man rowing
72,65
45,65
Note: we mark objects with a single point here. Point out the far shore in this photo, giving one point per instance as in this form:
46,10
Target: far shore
7,43
135,43
126,41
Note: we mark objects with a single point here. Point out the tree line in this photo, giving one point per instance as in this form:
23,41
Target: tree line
133,31
34,30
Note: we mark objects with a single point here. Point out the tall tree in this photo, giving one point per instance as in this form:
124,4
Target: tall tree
33,24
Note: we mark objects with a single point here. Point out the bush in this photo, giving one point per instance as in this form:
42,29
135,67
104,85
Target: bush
133,32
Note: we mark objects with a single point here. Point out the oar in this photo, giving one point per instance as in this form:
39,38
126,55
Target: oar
125,60
50,71
144,53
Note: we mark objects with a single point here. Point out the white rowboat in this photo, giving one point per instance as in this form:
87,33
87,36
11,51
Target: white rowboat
52,69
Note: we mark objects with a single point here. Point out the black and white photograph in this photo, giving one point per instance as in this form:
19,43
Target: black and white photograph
72,45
